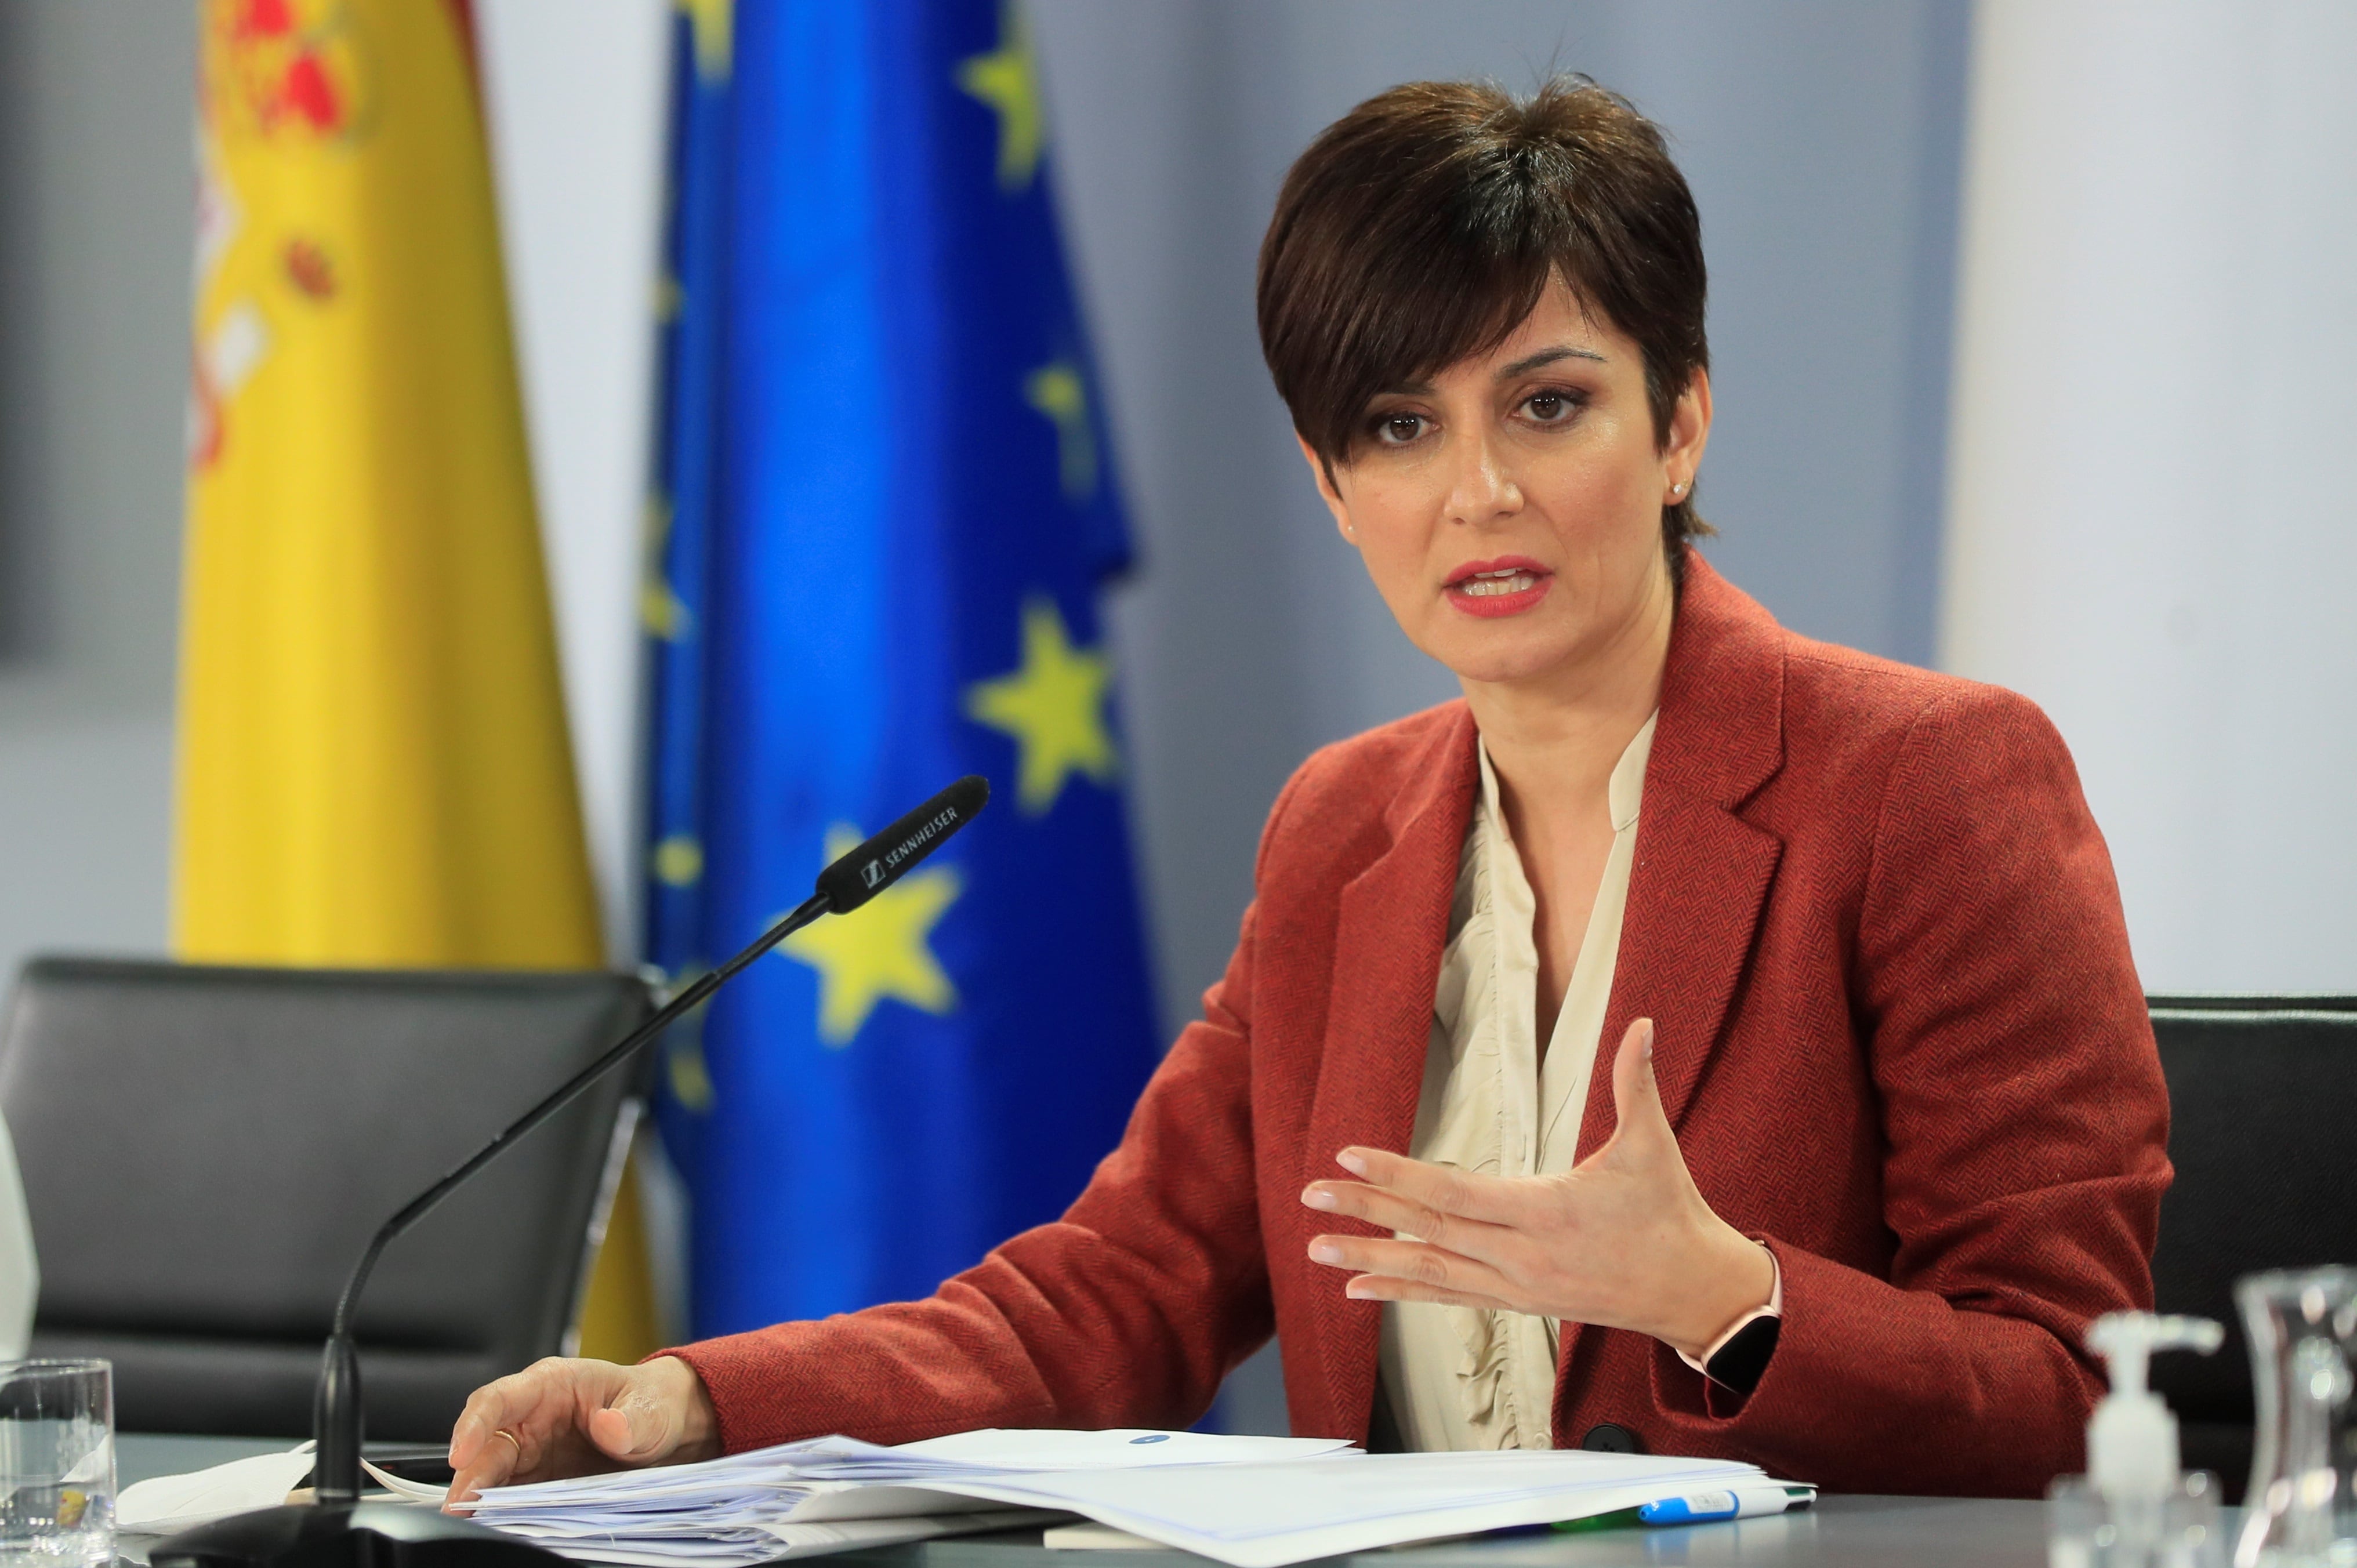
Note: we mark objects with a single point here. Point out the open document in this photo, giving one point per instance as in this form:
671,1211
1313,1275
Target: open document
1253,1502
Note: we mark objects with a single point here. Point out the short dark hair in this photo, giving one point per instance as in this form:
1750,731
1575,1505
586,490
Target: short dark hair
1423,226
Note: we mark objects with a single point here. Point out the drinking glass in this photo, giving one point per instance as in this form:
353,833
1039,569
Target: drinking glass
57,1464
2302,1328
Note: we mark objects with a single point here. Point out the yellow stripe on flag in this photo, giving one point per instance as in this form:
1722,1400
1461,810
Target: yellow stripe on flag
373,763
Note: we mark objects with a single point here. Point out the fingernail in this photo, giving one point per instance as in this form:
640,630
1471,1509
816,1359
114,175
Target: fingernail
1350,1160
1317,1197
1357,1292
1325,1252
1648,1042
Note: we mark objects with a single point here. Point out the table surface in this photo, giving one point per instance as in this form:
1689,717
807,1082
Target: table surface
1839,1532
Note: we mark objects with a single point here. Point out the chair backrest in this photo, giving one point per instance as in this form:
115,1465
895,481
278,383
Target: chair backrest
2259,1096
207,1150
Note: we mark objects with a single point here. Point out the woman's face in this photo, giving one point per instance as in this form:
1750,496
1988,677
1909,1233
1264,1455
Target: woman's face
1510,510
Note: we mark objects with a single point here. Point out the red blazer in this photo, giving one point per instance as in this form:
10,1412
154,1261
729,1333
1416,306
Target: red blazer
1897,1033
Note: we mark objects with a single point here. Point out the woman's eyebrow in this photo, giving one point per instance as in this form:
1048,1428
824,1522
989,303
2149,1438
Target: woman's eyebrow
1530,363
1521,367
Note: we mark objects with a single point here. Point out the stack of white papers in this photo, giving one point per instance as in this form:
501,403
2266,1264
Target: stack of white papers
1252,1502
832,1494
1269,1516
828,1494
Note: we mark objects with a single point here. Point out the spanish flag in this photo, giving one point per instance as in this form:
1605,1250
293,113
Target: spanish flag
373,763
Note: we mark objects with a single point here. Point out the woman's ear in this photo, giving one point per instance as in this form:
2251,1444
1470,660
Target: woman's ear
1689,427
1326,491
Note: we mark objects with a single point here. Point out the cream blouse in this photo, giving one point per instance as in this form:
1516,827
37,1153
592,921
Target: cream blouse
1458,1377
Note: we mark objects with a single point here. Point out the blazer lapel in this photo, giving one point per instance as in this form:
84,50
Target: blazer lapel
1702,874
1390,931
1694,898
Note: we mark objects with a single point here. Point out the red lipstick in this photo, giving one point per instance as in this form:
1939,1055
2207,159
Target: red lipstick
1505,586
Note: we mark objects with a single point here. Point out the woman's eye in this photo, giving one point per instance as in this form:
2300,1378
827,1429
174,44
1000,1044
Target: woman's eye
1548,408
1399,429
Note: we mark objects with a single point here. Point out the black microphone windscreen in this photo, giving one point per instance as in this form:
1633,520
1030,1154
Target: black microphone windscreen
892,854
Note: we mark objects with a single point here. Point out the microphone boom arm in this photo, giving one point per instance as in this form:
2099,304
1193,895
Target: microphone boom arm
851,881
337,1477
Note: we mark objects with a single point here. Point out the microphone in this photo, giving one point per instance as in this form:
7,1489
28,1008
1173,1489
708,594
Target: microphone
883,860
339,1531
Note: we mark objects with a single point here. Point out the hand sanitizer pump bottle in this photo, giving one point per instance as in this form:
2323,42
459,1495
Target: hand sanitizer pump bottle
2133,1507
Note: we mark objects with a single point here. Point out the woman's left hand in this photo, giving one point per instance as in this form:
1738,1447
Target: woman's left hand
1623,1240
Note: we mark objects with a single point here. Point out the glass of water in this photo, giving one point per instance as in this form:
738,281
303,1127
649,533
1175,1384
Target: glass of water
57,1464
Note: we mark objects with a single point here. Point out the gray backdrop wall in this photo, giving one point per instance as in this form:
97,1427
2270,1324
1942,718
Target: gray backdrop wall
96,204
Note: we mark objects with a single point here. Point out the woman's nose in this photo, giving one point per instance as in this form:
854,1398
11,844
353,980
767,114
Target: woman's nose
1482,486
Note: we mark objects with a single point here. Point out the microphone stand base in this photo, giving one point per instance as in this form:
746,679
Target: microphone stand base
348,1535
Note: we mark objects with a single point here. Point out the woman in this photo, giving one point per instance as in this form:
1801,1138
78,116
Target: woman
1881,1124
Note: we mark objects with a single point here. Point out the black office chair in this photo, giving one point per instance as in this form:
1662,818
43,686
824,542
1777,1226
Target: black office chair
2260,1091
207,1150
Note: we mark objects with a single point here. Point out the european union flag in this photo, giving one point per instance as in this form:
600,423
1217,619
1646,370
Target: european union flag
889,511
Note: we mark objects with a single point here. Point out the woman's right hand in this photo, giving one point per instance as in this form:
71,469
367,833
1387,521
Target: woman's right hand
573,1417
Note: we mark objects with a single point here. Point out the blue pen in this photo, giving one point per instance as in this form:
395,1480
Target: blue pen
1740,1502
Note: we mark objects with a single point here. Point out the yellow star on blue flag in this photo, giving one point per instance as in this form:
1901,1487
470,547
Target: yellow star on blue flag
1005,80
715,27
879,951
1056,391
1054,708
